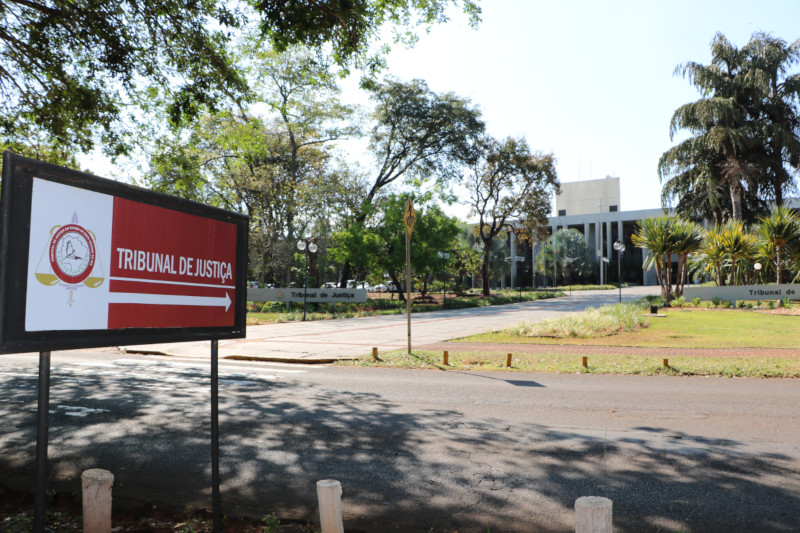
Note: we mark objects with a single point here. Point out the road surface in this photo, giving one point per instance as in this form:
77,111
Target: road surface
418,450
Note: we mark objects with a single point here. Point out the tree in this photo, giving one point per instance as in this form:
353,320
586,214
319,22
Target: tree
69,67
575,258
508,182
382,247
350,27
655,235
418,135
781,229
745,130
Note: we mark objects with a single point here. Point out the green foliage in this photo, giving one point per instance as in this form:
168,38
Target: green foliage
71,69
744,131
509,182
664,237
271,524
350,28
568,254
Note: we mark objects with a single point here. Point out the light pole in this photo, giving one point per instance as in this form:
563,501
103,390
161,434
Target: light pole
619,247
309,248
519,259
757,268
604,265
444,256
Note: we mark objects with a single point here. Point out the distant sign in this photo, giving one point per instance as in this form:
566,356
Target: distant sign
311,295
92,262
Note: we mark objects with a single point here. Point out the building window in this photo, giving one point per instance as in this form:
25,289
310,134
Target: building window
562,212
612,209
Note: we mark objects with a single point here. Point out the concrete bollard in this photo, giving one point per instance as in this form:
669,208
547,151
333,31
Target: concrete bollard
593,515
96,488
329,494
446,357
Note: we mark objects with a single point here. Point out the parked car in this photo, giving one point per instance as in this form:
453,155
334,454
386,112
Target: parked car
380,288
330,285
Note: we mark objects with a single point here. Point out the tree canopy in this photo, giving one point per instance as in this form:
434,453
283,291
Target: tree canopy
509,183
745,131
83,71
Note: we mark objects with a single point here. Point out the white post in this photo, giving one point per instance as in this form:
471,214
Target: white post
329,494
593,515
96,488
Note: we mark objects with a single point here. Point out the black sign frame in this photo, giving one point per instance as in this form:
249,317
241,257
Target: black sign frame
15,223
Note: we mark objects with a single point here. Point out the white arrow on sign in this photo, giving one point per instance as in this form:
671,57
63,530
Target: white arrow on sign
169,299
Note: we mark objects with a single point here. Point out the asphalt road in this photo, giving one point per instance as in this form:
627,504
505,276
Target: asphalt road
418,450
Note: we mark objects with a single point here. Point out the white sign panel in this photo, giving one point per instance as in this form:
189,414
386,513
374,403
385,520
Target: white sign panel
744,292
311,295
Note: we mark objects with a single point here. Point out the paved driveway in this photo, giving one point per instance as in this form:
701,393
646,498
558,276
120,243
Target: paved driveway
325,340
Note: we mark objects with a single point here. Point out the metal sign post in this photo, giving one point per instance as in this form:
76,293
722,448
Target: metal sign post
216,505
42,426
409,217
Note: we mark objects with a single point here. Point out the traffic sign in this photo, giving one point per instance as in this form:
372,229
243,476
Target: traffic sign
87,261
409,217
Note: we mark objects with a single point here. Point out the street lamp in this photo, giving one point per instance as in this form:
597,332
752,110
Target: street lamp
757,268
309,248
519,259
619,247
444,256
604,264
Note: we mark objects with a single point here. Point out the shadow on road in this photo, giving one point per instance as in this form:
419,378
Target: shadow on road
401,468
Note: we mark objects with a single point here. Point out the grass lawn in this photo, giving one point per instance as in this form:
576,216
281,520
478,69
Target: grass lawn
679,329
696,328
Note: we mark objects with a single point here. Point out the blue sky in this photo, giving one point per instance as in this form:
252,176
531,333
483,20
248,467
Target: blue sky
589,80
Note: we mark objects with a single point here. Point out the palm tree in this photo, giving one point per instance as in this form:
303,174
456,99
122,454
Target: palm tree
655,234
739,247
745,131
711,254
780,229
687,238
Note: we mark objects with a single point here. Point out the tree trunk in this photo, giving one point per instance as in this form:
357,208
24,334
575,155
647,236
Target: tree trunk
485,273
400,294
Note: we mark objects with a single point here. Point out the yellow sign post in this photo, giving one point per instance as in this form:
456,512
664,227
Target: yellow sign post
409,217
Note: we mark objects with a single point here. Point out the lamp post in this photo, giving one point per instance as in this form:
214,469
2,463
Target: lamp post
519,259
619,247
757,268
308,248
444,256
604,265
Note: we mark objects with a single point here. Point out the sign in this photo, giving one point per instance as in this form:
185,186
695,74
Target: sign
92,262
743,292
311,295
409,217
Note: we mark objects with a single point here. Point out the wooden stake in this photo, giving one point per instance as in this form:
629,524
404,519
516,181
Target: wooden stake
374,353
508,360
446,356
665,362
585,362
